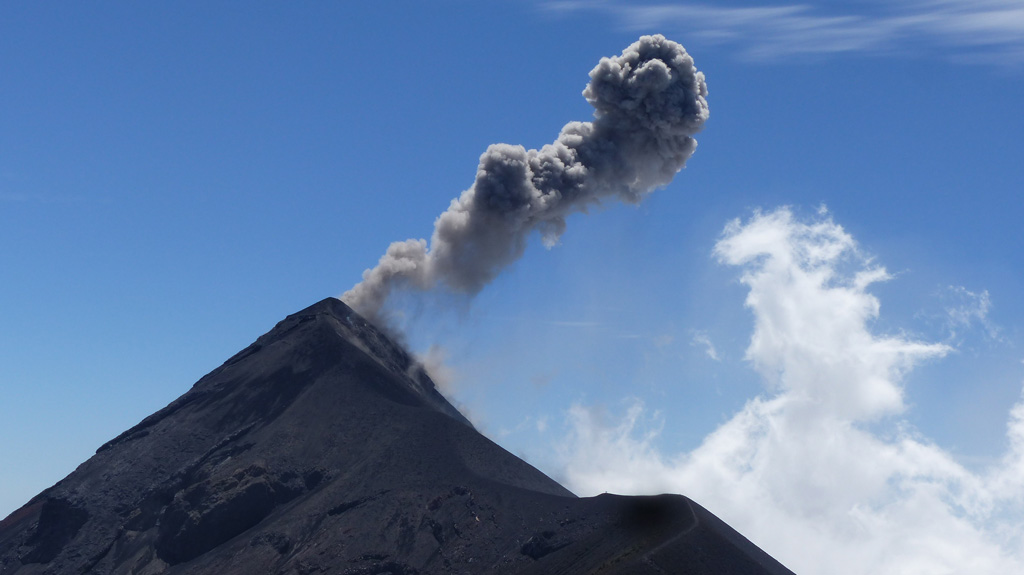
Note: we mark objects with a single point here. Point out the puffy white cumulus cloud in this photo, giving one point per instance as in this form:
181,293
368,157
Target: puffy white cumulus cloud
820,471
811,337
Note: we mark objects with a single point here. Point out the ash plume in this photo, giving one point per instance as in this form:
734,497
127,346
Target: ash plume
648,104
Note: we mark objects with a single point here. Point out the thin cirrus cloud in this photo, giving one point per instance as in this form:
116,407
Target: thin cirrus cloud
702,340
968,310
986,30
820,470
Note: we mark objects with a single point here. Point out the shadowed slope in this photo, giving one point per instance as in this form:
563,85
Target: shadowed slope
323,448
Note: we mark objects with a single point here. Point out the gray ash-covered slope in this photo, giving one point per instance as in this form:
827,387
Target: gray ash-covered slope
323,448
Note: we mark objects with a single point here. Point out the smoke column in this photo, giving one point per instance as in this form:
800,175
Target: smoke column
648,104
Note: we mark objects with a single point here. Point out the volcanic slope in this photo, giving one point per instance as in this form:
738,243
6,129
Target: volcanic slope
324,448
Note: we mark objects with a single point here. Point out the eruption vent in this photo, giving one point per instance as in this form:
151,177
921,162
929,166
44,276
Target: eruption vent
649,102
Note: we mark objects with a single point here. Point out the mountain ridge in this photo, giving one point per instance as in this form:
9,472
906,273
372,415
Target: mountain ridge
323,447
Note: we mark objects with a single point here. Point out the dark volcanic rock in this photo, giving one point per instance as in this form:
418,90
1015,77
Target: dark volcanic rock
323,448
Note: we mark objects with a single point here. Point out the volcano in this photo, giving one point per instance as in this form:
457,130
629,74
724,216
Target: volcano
323,447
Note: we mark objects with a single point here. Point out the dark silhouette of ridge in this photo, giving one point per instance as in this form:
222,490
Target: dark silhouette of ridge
324,448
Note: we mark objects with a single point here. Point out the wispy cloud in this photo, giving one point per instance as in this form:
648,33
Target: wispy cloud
701,339
983,30
967,310
962,317
529,423
821,470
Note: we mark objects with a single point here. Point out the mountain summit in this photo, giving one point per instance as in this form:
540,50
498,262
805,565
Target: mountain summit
323,447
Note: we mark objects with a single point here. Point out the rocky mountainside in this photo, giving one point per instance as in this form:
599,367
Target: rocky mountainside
324,448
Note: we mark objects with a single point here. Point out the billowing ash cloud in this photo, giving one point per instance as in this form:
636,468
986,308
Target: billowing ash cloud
649,102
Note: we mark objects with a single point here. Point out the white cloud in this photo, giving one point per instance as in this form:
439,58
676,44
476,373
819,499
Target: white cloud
968,309
701,339
989,30
821,472
810,334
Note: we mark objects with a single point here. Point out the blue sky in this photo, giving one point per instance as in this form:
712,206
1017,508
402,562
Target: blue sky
176,179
